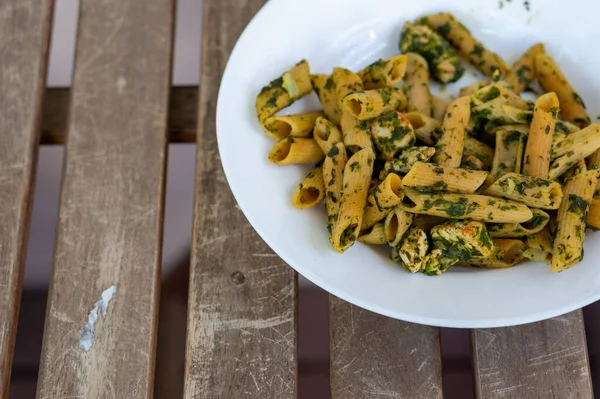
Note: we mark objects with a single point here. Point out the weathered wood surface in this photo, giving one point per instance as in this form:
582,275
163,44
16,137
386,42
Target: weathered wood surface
547,359
110,219
242,306
182,125
24,38
375,356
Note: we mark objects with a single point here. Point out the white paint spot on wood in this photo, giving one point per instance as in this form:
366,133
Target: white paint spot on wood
121,83
88,330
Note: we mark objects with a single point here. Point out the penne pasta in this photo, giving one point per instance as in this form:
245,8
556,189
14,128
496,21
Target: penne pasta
430,178
290,150
311,191
479,150
572,218
469,48
539,141
299,125
396,224
508,154
522,73
593,219
438,108
427,222
538,221
425,127
284,90
326,134
466,206
391,133
333,170
382,200
384,73
355,189
369,104
449,148
552,79
497,95
355,133
506,253
576,153
472,88
579,141
325,88
444,64
539,246
534,192
417,84
412,251
375,235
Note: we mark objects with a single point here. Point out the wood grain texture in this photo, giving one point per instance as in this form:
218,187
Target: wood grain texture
242,304
24,37
111,212
375,356
547,359
183,115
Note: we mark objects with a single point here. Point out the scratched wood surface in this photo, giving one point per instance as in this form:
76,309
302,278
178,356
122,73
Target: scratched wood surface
547,359
375,356
183,115
242,306
24,36
108,246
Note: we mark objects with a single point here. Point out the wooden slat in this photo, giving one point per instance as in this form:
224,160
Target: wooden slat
547,359
24,37
374,356
110,218
183,115
242,306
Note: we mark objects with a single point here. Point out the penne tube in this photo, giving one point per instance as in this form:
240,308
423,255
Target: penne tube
539,141
311,191
369,104
412,251
405,161
539,246
534,192
472,88
430,178
469,48
497,95
375,235
438,108
396,224
290,150
565,127
417,84
326,134
506,253
444,64
427,222
522,73
462,240
284,90
593,219
576,154
449,148
466,206
391,133
333,170
384,198
325,88
576,169
589,137
299,125
425,127
552,79
572,218
355,133
355,189
508,154
538,221
479,150
384,73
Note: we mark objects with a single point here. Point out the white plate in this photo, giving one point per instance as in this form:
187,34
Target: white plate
353,33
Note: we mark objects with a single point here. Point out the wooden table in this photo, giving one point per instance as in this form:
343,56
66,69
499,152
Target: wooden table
242,323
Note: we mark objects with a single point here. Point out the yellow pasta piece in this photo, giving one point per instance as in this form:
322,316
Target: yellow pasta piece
472,88
427,222
284,90
326,134
290,150
425,127
466,206
429,178
355,132
396,224
506,253
594,214
369,104
412,251
299,125
417,84
449,148
539,246
534,225
469,48
522,73
579,141
479,150
355,189
384,198
325,89
552,79
532,191
438,107
384,73
497,95
333,170
539,142
508,155
311,191
577,152
391,133
375,235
